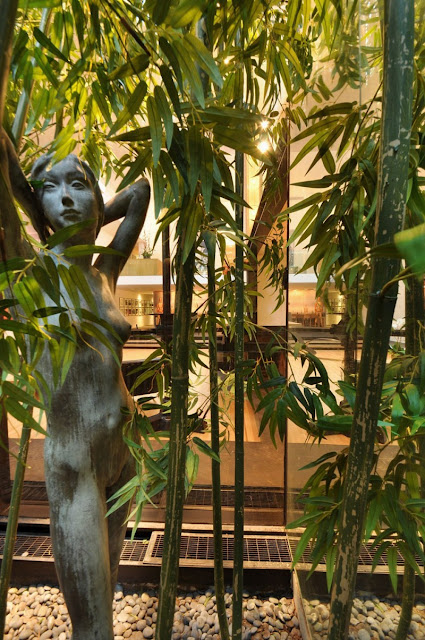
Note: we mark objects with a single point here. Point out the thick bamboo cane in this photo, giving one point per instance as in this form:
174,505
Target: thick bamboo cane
178,434
392,185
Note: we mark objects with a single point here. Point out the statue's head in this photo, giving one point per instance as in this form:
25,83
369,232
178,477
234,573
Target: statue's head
69,192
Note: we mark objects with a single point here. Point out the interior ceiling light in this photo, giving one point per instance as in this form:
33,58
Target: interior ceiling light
265,124
227,60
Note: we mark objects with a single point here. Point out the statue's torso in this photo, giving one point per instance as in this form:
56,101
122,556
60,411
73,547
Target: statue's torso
85,415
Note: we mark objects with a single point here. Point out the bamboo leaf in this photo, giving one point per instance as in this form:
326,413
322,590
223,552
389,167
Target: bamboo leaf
309,146
67,349
165,114
131,107
45,312
185,12
19,327
170,173
192,217
281,418
93,331
168,81
154,467
392,566
291,55
204,58
307,536
52,271
161,10
205,448
240,141
13,391
411,245
141,134
67,232
134,66
333,109
206,172
69,287
43,279
80,281
325,146
89,250
48,44
39,4
158,189
137,168
175,64
44,65
155,128
190,72
330,565
323,458
194,153
22,415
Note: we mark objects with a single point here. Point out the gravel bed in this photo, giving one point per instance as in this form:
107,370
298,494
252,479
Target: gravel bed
372,618
39,612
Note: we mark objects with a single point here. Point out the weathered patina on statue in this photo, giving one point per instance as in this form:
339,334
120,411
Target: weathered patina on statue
86,459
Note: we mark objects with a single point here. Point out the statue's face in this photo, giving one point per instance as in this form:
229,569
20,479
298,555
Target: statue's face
68,196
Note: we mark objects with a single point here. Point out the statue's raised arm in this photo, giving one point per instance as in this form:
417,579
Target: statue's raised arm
15,184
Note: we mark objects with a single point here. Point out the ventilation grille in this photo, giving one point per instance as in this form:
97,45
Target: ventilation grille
37,547
197,550
365,558
200,496
254,498
34,492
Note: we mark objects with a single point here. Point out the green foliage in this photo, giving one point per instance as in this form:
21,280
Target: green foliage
395,521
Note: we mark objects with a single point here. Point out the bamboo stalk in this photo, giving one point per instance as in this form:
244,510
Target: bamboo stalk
239,416
215,446
18,125
177,451
392,190
406,602
12,522
7,24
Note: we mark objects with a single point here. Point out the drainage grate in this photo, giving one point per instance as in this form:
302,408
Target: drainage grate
365,558
197,550
133,551
254,498
30,546
36,547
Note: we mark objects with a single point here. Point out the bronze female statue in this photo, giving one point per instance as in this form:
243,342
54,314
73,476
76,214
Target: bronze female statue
86,459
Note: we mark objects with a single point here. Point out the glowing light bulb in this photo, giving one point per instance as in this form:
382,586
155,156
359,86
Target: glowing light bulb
263,146
227,60
265,124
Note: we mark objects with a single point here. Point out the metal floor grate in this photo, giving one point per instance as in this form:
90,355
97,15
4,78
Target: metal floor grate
36,547
197,550
365,558
30,546
254,498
